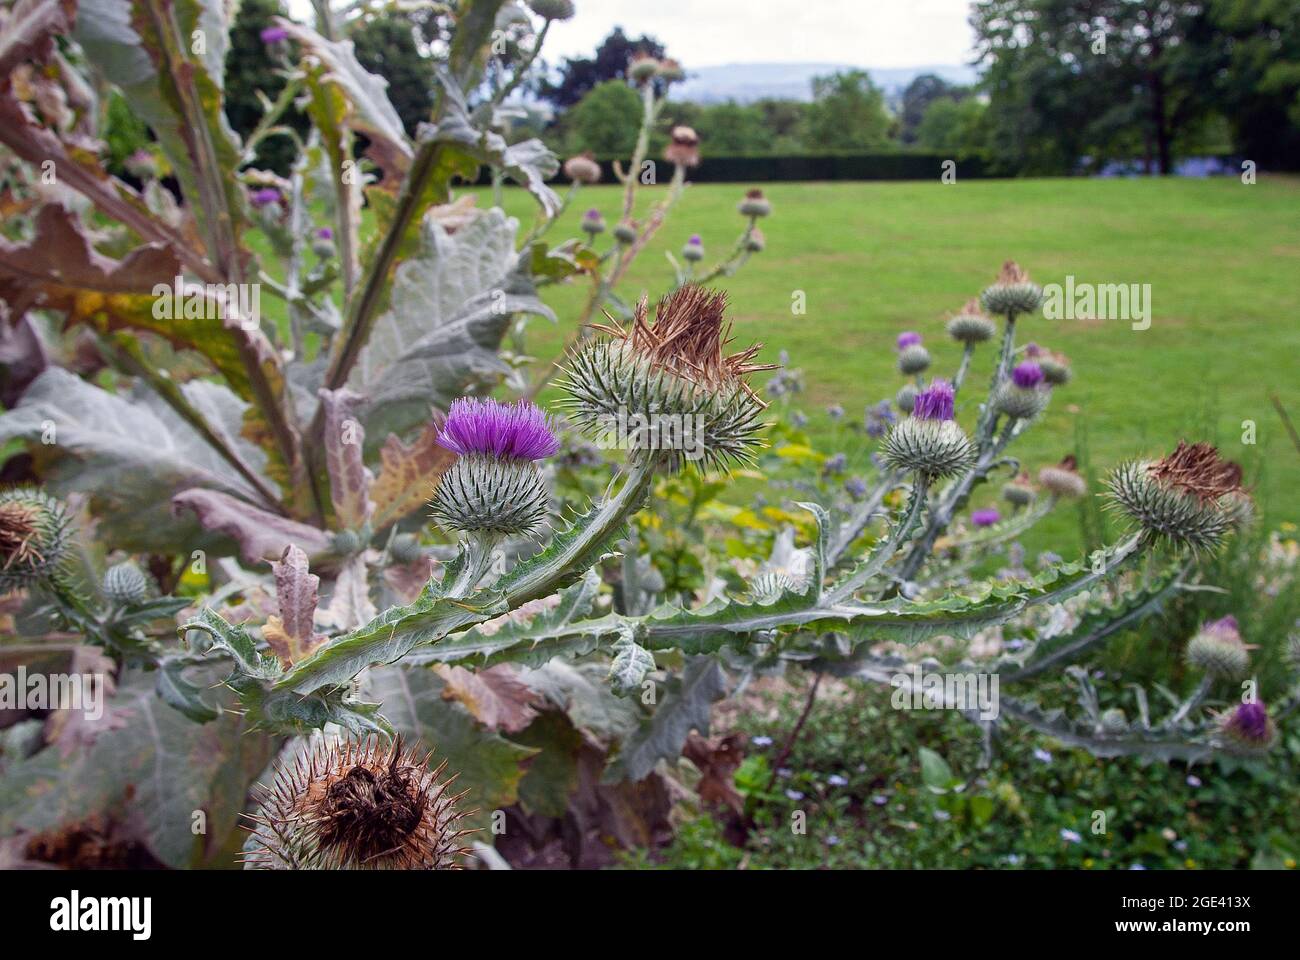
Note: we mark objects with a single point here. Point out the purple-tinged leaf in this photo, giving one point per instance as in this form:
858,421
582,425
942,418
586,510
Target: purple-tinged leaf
349,479
292,635
261,535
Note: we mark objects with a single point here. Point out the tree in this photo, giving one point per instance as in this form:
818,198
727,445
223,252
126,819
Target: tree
251,69
917,97
385,44
579,76
951,126
729,128
847,112
606,121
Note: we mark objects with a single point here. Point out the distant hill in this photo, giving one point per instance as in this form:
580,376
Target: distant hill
746,82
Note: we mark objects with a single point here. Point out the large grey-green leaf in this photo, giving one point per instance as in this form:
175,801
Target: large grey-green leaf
151,775
130,453
449,307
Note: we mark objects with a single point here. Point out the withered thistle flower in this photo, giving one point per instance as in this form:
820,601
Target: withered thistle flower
929,442
971,326
670,71
1056,369
670,374
357,806
582,168
1019,492
1064,479
1247,729
642,67
1013,292
755,204
1186,498
494,486
34,537
683,148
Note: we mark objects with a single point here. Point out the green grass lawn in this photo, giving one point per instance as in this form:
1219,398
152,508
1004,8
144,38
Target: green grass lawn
873,259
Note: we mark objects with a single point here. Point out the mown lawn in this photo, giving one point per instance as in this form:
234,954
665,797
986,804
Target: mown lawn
872,259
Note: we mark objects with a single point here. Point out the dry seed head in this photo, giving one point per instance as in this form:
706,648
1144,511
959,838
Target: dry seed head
1013,292
34,536
357,805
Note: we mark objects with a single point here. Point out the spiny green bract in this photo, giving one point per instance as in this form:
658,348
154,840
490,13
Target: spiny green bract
936,448
1166,512
483,494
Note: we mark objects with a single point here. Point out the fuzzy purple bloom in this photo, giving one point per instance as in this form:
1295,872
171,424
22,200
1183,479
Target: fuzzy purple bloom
695,239
325,233
985,518
274,35
265,197
1033,350
592,214
1027,375
908,339
935,402
518,431
1250,722
1226,624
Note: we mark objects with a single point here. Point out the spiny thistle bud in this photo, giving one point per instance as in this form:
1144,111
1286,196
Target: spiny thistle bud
345,543
906,397
670,71
125,583
34,537
495,485
1113,721
642,67
322,243
1024,397
1179,498
1217,649
971,326
673,367
625,232
694,249
929,441
357,806
755,204
913,360
985,518
684,148
1063,479
1247,729
552,9
755,241
405,549
593,223
582,168
1019,492
1056,369
1013,292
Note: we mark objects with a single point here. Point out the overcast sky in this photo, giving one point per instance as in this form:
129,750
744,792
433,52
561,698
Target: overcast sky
701,33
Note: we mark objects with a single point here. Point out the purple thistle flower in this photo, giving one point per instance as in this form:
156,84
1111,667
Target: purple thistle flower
1033,350
519,431
908,339
325,233
1250,722
272,35
986,517
935,402
592,214
695,239
265,197
1226,625
1027,375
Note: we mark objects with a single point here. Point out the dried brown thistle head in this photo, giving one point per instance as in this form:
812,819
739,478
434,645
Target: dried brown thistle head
688,337
361,806
1012,273
1198,469
683,148
19,542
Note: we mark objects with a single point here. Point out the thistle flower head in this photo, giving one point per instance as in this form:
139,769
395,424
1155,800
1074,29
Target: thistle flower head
906,397
582,168
1248,728
1056,369
971,326
1184,498
1021,403
675,365
1217,648
985,518
1019,492
694,249
357,806
642,67
506,431
683,148
913,360
125,583
1064,479
1012,293
264,197
34,537
273,35
929,442
1027,374
935,402
755,242
625,232
552,9
670,71
755,204
592,222
908,338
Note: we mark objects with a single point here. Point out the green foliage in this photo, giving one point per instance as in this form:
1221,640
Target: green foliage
385,46
847,112
604,120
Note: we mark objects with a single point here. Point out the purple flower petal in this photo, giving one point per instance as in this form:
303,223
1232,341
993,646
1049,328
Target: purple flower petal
985,518
519,431
274,35
935,402
1027,374
908,339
